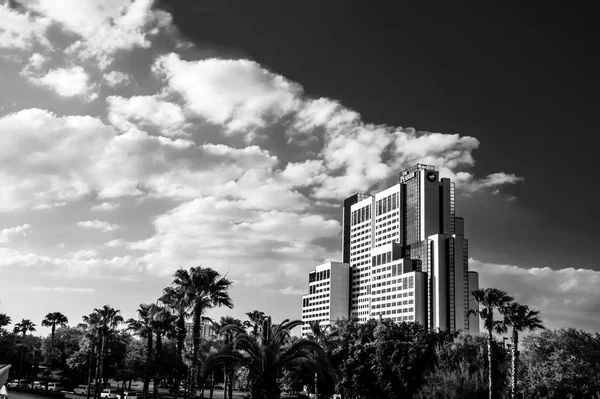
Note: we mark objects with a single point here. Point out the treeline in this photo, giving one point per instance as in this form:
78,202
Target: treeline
376,359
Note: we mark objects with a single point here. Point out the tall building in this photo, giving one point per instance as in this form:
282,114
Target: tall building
327,299
407,253
207,330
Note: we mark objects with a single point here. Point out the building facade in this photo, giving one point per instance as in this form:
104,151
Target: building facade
327,299
407,254
207,330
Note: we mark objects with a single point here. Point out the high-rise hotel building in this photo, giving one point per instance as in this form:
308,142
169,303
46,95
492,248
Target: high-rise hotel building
406,255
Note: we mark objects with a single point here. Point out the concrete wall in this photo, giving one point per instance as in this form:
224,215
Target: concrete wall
339,291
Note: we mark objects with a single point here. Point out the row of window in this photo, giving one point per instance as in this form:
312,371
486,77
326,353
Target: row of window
361,215
315,309
387,204
403,282
318,276
313,289
307,301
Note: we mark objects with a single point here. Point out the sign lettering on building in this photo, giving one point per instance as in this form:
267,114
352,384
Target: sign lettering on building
407,177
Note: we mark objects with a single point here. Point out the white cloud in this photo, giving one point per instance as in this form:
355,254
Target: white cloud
61,289
104,27
66,82
237,94
105,206
21,31
98,224
291,290
116,78
259,246
126,113
566,297
18,231
83,254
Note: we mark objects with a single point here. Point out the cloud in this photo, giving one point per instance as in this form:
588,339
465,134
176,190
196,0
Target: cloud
98,224
238,94
258,245
66,82
21,30
566,297
83,254
492,180
126,113
19,231
104,31
105,206
116,78
61,289
291,290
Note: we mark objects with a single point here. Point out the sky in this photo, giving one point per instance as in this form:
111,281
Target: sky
144,136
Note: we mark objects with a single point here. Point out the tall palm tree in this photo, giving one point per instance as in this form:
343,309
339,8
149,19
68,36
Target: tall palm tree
108,320
143,327
490,299
23,328
318,333
176,300
204,288
90,328
268,354
519,318
162,324
52,320
227,329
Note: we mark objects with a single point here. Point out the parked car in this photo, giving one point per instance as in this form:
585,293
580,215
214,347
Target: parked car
109,394
219,386
82,390
16,383
55,387
37,385
128,395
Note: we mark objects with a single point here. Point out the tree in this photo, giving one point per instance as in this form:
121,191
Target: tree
520,319
255,320
268,354
4,321
143,327
318,334
23,328
203,288
560,363
176,300
90,328
228,328
490,299
108,320
52,320
162,324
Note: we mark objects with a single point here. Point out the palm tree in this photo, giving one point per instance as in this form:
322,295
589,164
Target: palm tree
108,320
90,328
143,327
203,288
268,354
162,324
23,328
490,299
255,321
4,321
519,318
52,320
228,328
318,334
176,300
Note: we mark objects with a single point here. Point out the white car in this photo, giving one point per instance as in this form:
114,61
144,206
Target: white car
128,395
109,394
38,385
82,390
16,383
55,387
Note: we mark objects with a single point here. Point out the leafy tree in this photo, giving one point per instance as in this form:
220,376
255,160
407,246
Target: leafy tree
66,343
176,300
228,328
52,320
162,324
255,321
203,288
561,363
519,318
143,327
319,334
490,299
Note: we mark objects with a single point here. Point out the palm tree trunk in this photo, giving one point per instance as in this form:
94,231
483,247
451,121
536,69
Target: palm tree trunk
513,369
97,389
231,380
225,381
490,373
89,379
212,385
196,349
180,340
148,365
101,366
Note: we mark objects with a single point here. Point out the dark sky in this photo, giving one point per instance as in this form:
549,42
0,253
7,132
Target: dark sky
521,78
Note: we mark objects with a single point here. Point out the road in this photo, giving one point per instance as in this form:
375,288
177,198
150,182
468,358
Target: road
217,394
